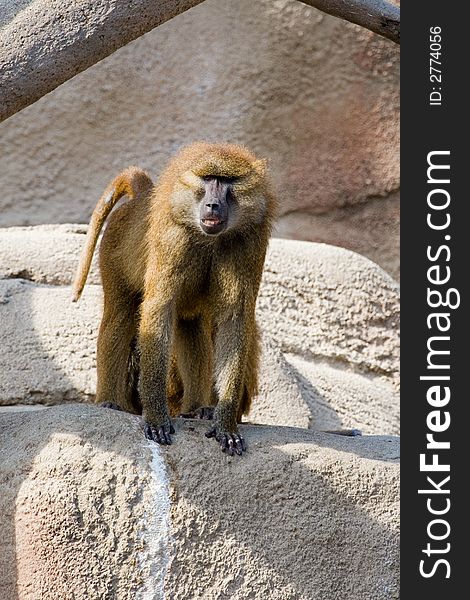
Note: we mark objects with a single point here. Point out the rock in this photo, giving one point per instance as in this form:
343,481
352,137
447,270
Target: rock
280,400
371,229
336,397
45,254
315,299
90,509
84,507
49,343
329,318
321,301
317,96
13,408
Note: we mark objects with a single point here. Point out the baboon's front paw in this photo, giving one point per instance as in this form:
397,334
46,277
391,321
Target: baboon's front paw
159,434
231,443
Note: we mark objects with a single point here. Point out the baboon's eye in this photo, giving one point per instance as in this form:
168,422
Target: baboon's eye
221,178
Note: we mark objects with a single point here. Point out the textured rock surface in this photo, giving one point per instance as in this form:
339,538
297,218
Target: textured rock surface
306,517
321,301
317,96
336,397
330,319
49,344
302,516
83,507
371,229
46,253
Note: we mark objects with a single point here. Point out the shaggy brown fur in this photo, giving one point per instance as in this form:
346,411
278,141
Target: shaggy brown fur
181,265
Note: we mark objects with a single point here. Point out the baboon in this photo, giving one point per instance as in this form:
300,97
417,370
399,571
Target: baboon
181,265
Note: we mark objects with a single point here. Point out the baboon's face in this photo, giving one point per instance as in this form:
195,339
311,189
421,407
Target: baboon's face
216,204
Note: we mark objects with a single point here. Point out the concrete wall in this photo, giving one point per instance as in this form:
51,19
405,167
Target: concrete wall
317,96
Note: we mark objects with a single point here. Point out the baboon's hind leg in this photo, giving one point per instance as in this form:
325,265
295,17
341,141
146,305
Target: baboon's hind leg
117,369
193,348
205,413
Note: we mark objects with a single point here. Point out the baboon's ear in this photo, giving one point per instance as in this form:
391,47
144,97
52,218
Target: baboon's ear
261,166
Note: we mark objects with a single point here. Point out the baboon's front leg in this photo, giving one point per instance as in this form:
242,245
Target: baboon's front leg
155,336
231,350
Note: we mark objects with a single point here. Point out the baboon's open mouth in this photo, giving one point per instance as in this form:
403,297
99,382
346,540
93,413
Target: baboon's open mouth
212,225
212,222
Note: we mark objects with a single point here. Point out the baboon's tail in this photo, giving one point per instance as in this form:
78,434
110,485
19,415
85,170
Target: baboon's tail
133,181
